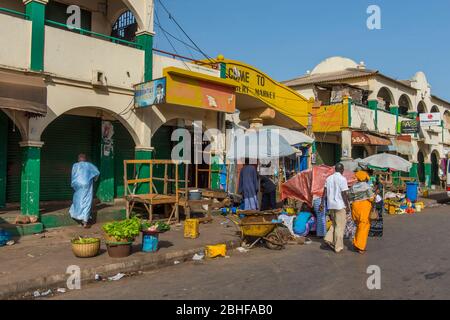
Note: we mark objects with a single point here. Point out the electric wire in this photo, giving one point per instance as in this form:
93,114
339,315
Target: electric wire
171,17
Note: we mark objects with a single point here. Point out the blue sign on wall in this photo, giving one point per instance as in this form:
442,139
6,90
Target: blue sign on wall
150,93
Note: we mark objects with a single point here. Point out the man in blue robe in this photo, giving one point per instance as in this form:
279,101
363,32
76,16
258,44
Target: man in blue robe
249,186
84,174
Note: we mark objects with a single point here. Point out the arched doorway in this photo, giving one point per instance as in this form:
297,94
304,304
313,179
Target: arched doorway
125,27
385,96
404,105
435,180
80,131
421,166
421,107
435,109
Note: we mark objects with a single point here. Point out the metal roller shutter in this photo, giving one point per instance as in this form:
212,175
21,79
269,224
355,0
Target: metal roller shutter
123,150
14,164
64,139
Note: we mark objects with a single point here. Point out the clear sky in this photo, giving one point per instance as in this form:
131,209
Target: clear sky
285,38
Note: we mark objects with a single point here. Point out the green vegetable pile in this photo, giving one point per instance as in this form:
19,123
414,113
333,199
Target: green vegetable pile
81,240
123,230
157,226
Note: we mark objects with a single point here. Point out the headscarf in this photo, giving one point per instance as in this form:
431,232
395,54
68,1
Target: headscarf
362,176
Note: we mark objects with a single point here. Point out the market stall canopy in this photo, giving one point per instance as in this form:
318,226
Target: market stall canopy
360,138
254,144
352,165
387,160
310,184
21,92
292,137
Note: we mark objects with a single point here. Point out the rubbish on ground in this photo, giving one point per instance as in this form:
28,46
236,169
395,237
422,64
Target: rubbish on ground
36,294
242,249
216,250
227,257
176,262
98,277
10,243
117,277
61,290
30,255
46,293
197,257
308,241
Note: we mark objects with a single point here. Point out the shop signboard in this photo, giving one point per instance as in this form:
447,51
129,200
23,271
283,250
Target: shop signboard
193,89
258,85
430,119
150,93
410,126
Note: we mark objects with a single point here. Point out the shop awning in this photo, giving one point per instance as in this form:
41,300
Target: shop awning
23,93
360,138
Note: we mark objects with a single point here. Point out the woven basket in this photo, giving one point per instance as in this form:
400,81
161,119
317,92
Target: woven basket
86,250
109,238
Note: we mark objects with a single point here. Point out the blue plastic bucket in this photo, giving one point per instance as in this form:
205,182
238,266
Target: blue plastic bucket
412,191
5,236
150,242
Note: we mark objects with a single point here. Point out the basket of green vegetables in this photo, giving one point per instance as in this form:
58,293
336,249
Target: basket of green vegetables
148,227
85,247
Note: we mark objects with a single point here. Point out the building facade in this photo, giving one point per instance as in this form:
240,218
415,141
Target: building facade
359,112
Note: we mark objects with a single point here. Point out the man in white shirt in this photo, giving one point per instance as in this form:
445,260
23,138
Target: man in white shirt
336,197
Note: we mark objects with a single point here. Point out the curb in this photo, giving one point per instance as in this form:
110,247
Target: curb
24,288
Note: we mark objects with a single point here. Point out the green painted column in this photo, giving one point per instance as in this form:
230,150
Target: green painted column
215,176
105,191
373,105
413,172
30,179
35,9
427,174
145,40
143,171
395,110
3,157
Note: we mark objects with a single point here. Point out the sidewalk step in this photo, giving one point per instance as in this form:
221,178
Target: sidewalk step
22,230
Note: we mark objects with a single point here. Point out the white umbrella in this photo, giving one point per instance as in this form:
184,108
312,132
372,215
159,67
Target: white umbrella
260,145
291,136
387,160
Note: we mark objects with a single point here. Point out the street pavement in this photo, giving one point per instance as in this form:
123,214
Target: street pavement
413,257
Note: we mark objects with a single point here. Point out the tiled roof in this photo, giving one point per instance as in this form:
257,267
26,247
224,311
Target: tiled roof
349,73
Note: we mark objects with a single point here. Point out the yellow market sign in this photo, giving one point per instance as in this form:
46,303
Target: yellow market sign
255,83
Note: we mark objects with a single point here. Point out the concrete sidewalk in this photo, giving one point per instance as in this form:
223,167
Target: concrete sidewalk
39,262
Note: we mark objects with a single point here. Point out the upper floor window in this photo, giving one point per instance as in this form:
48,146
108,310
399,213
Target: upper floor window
125,27
57,12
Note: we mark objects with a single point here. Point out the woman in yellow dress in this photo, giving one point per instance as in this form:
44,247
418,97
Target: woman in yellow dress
362,196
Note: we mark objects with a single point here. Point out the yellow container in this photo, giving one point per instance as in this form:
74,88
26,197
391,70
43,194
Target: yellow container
392,209
191,227
216,251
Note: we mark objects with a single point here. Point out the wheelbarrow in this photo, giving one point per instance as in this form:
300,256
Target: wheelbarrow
260,228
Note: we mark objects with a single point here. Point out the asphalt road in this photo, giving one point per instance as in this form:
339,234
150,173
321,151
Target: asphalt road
413,257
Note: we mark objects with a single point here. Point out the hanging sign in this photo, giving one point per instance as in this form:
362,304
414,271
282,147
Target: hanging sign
150,93
430,119
410,126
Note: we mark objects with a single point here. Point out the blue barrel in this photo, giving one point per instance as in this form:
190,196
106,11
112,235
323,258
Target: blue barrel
150,242
412,191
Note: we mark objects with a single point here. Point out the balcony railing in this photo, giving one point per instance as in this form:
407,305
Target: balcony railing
95,34
16,13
